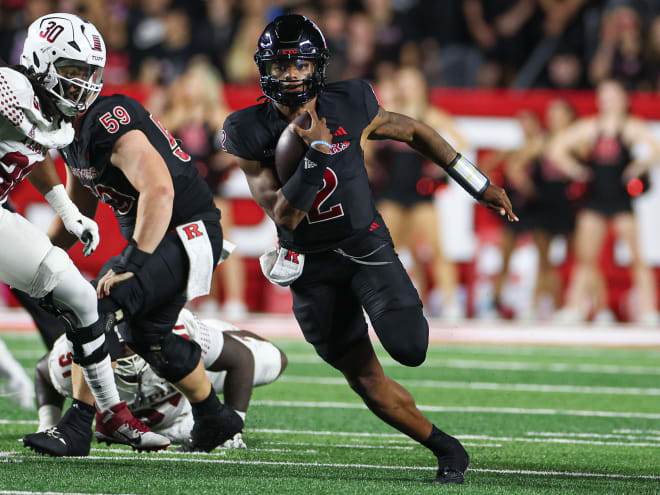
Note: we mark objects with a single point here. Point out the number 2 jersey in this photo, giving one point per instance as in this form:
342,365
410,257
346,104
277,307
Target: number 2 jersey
344,207
88,158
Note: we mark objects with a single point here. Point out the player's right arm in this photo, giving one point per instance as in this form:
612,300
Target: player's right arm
267,193
288,205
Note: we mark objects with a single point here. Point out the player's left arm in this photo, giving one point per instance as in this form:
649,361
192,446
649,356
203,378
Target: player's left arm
147,172
424,139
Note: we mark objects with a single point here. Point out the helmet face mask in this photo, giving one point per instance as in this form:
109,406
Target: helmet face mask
287,41
78,85
68,53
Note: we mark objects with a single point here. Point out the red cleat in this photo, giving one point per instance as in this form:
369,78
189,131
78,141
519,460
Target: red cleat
118,425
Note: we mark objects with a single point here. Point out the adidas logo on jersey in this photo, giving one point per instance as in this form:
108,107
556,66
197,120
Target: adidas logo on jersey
309,164
340,131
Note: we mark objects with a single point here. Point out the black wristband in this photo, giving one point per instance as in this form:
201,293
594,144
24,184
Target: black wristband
131,259
473,180
303,186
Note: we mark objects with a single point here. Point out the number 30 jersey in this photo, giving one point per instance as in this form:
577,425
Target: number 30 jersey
344,206
88,157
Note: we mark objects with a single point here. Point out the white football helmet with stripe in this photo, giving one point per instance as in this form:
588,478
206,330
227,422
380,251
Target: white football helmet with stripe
69,52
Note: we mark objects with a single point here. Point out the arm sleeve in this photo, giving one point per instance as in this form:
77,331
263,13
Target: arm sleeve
371,103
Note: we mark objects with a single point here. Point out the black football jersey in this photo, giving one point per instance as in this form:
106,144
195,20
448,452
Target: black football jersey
88,157
344,207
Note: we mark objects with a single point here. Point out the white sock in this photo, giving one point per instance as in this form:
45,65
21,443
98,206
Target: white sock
241,414
101,381
49,415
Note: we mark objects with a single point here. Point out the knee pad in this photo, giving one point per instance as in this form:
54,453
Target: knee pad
50,271
88,343
170,356
404,334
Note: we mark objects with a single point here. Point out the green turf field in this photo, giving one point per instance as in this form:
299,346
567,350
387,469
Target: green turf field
534,420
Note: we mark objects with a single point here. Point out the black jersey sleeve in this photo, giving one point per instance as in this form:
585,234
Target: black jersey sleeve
113,117
239,136
371,103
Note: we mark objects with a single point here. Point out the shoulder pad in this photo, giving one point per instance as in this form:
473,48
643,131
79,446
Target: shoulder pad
15,95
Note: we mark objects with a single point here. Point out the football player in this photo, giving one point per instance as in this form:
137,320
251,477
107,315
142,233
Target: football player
59,76
235,360
335,251
123,156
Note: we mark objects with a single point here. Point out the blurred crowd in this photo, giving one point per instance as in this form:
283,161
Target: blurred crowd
484,43
186,49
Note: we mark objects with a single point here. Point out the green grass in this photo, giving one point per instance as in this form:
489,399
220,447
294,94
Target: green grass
308,433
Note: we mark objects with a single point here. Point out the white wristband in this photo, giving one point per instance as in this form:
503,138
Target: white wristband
311,145
61,203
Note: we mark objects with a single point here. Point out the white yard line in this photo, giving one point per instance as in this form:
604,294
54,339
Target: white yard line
488,438
496,410
356,466
652,432
507,365
592,435
516,387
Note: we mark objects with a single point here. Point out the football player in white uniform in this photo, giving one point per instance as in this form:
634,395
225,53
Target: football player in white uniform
59,76
236,361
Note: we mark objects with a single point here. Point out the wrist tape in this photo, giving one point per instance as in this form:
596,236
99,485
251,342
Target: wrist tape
303,186
132,258
61,203
468,176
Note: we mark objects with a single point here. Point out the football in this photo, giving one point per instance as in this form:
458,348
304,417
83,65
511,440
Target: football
291,149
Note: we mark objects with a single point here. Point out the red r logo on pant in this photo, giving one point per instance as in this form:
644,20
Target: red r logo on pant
192,231
292,256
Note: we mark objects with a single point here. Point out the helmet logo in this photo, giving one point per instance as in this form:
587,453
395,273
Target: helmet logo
51,32
97,42
289,51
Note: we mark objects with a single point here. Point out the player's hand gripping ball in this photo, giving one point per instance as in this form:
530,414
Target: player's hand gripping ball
291,149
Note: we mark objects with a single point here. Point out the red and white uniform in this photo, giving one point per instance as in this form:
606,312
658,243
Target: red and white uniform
25,134
25,138
154,400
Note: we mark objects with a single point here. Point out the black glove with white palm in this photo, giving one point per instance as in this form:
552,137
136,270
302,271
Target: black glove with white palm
84,228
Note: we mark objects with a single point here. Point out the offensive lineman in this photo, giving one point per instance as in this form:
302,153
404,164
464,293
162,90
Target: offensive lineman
235,360
335,251
37,101
124,157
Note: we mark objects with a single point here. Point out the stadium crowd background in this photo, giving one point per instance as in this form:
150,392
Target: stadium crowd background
486,61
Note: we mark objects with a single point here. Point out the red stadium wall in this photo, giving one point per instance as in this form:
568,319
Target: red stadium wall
260,296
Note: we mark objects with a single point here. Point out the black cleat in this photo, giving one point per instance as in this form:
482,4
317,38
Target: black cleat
71,437
210,432
453,463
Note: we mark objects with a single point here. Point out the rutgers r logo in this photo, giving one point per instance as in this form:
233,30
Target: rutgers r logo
192,231
292,256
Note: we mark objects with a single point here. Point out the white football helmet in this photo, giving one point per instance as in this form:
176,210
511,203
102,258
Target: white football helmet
70,53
